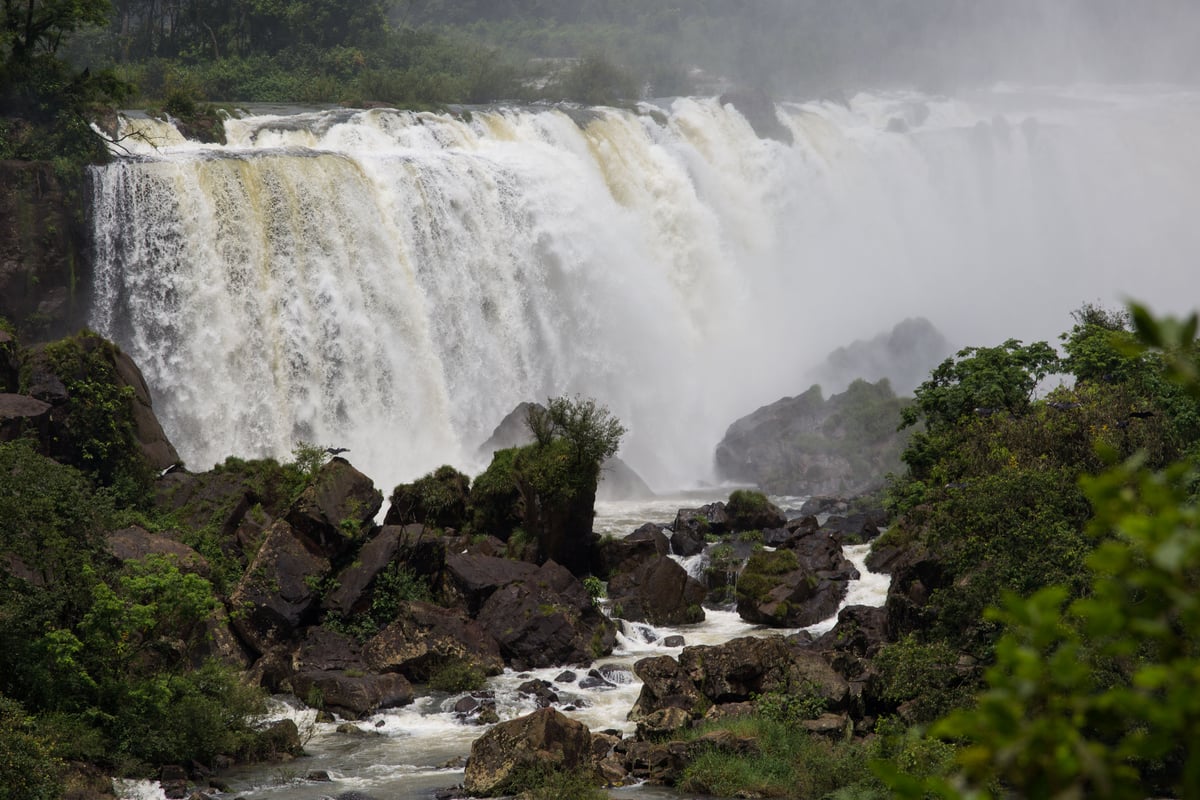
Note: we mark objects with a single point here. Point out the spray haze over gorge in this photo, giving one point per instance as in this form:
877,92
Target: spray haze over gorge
395,283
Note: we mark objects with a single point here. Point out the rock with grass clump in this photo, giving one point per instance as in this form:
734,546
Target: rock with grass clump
542,742
795,587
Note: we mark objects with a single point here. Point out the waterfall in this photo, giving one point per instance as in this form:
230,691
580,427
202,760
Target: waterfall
396,282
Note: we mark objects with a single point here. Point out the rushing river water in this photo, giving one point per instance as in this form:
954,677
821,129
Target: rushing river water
408,753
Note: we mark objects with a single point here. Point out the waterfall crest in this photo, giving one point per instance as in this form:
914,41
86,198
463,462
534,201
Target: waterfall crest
396,282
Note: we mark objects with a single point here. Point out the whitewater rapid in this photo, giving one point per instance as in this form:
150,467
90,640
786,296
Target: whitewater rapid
395,283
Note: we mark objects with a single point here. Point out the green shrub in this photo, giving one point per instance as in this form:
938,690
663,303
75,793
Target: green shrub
29,769
456,676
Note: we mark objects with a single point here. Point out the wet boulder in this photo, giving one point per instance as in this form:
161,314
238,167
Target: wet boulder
471,579
350,694
665,684
352,594
425,638
752,511
659,592
278,592
547,619
545,740
21,415
693,526
858,528
796,587
646,543
336,511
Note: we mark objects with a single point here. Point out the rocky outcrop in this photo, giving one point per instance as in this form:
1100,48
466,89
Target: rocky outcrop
134,544
542,741
337,509
350,694
472,579
645,544
426,637
23,416
758,109
735,672
658,591
693,526
795,587
807,445
547,619
278,592
618,480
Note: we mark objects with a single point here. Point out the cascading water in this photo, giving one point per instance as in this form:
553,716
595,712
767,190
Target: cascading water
395,283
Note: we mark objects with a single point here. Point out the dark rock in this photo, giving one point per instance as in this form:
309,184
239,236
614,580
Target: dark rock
693,526
424,638
21,416
751,511
423,552
647,542
915,578
547,619
336,509
352,595
352,695
276,594
794,588
674,641
134,544
658,591
541,691
317,776
853,529
280,738
323,650
473,579
832,726
567,676
544,740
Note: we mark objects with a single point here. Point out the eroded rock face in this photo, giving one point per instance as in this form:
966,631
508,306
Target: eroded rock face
337,508
646,543
735,672
658,591
547,619
278,591
425,637
352,595
693,526
352,695
794,587
545,740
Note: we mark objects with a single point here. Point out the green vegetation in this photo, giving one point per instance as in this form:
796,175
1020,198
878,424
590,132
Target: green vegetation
455,676
438,500
101,657
1092,685
786,762
539,783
